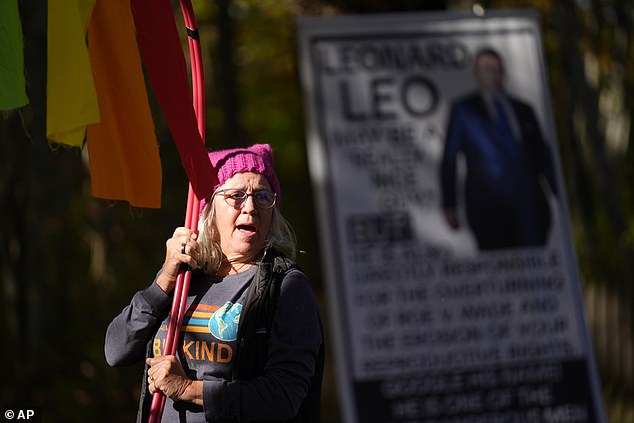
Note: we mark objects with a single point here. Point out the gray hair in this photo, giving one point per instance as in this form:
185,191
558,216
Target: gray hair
281,236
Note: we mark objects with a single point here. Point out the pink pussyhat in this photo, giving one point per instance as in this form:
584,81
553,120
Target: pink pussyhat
257,159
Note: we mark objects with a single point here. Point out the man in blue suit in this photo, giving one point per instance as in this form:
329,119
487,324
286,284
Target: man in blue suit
509,165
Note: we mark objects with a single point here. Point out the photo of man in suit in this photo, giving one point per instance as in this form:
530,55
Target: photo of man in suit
509,168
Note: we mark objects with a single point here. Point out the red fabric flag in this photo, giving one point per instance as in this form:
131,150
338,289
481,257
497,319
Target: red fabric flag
162,54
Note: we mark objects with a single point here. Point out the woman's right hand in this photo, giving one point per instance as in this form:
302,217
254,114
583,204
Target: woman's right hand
182,247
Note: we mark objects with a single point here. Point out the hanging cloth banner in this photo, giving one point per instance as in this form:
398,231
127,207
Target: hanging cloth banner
68,71
162,54
12,83
123,150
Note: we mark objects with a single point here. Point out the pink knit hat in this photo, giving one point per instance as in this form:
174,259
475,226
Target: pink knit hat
257,159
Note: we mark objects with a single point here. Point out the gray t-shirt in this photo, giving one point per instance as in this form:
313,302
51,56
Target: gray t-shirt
209,331
208,334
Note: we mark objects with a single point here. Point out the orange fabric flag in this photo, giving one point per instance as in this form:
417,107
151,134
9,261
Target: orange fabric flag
122,148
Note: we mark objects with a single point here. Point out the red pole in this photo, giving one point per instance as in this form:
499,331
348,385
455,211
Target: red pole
179,302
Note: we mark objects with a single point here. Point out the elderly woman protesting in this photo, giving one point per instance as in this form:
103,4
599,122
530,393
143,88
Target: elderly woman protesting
252,343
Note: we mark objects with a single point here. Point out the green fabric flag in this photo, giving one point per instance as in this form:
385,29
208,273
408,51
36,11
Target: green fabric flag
12,84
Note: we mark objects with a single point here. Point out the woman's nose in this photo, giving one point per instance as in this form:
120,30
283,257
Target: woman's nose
249,204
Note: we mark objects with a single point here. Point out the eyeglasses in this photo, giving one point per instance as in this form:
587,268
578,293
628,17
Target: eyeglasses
237,198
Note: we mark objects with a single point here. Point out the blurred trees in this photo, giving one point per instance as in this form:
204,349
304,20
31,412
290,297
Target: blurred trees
69,262
593,93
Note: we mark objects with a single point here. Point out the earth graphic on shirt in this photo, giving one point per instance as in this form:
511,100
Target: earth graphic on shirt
224,322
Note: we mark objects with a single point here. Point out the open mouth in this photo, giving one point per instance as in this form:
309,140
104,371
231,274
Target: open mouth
246,228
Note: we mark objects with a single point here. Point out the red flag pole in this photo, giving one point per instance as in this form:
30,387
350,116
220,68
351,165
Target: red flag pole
179,302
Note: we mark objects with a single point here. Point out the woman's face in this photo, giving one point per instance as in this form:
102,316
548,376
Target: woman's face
243,229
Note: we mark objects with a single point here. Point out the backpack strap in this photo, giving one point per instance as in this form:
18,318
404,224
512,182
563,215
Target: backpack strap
257,315
145,399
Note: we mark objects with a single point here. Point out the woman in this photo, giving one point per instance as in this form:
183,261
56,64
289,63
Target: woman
252,344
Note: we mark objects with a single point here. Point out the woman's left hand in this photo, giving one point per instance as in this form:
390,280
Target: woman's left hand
166,374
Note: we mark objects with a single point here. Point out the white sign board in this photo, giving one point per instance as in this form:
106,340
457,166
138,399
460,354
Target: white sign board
453,283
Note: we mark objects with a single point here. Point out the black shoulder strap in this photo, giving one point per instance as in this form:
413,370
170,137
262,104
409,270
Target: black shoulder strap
253,349
257,315
145,399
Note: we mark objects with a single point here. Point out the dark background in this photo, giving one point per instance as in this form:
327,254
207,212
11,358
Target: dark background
70,262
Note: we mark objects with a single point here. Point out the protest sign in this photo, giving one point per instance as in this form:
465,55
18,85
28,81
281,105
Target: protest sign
452,280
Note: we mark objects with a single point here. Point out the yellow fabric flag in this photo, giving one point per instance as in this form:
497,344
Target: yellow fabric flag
122,147
71,100
12,82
